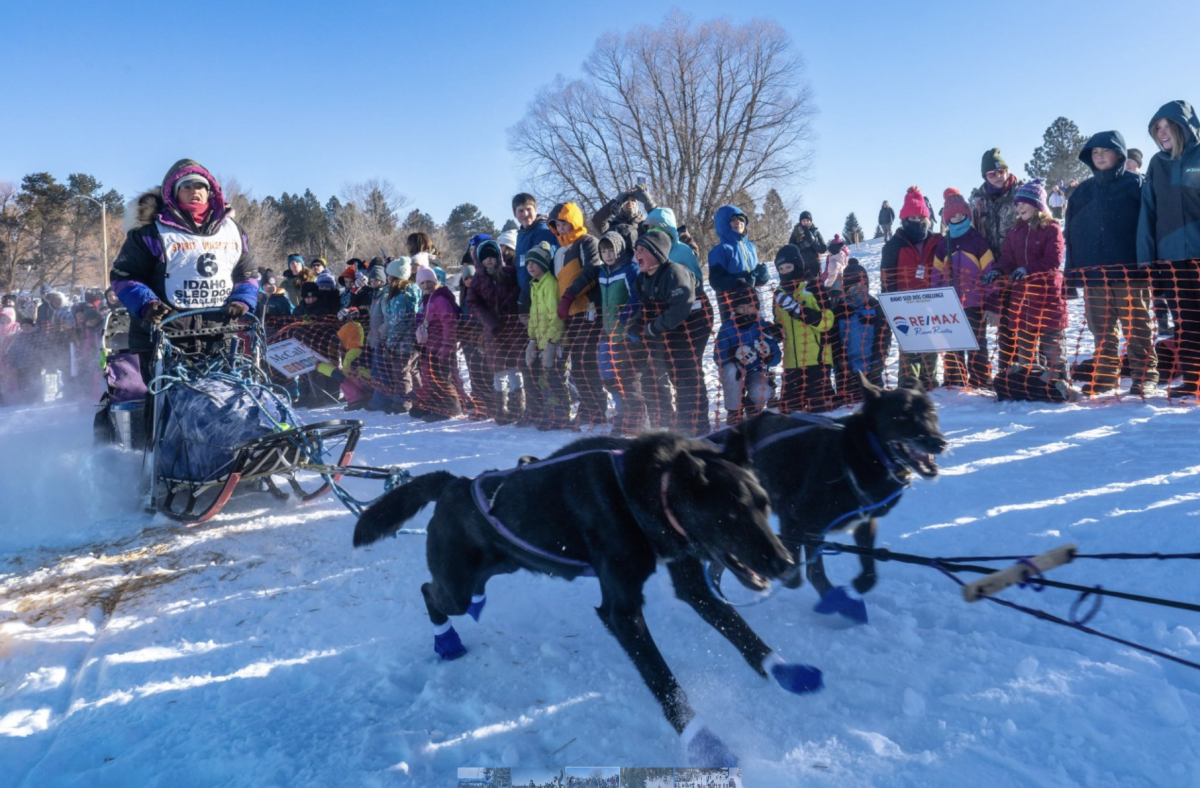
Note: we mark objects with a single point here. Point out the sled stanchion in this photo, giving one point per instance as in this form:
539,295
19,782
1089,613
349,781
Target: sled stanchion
1021,572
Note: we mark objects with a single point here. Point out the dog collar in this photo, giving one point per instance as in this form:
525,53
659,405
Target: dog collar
671,518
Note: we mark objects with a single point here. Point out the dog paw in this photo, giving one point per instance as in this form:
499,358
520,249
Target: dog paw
448,646
864,583
839,601
706,749
797,678
476,608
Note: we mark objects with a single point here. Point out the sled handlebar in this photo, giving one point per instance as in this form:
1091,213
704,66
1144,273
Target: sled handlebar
1020,572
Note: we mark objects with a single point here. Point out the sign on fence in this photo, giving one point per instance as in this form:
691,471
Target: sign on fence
926,321
292,358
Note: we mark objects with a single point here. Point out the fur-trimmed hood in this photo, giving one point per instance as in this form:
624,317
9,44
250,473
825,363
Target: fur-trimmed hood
150,205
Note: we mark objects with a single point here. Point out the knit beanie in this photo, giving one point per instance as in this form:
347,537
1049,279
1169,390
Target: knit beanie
854,273
489,249
914,205
541,255
955,203
268,278
310,289
805,215
349,273
1135,156
465,273
377,274
508,238
297,258
400,268
1034,193
426,275
657,243
992,160
837,244
325,281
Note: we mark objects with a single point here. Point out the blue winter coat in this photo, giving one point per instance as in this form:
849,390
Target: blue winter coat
1169,223
732,336
733,263
1102,216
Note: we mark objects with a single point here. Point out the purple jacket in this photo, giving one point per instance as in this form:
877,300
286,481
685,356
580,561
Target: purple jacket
959,263
1035,302
491,300
440,316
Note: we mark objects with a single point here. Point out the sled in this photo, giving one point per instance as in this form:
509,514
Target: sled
217,425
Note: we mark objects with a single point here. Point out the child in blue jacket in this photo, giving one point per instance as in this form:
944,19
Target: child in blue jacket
745,354
733,263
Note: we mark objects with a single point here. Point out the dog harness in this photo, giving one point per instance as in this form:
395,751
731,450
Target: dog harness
484,503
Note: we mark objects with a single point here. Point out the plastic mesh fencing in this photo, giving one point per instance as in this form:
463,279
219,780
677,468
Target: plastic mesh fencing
680,366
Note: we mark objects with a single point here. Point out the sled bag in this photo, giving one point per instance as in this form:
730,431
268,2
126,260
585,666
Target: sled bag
203,422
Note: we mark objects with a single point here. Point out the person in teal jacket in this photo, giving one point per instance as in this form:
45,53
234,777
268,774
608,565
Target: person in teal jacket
733,263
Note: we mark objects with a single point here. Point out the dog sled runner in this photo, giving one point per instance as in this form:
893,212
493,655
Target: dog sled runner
216,424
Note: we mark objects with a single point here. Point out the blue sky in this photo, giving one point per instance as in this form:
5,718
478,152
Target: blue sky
295,95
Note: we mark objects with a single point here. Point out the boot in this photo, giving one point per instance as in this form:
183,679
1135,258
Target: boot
515,404
500,412
532,415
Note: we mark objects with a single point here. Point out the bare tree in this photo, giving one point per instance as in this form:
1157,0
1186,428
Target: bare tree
699,111
375,222
262,223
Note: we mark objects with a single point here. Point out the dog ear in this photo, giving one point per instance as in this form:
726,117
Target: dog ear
737,448
871,392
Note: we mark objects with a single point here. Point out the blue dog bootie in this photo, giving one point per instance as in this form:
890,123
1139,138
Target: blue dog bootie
704,748
839,601
446,642
793,676
477,603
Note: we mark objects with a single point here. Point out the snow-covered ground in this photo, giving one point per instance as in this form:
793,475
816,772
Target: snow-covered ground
262,649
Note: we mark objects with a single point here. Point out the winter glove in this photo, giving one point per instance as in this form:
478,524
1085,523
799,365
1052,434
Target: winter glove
989,276
564,306
811,317
643,194
235,309
762,348
348,312
531,352
744,355
1019,274
156,311
787,303
360,282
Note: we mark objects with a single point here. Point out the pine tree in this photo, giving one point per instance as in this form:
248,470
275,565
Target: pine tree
1057,158
465,221
773,226
878,231
852,231
418,222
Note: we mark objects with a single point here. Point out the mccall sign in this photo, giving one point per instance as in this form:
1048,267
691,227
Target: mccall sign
925,321
292,358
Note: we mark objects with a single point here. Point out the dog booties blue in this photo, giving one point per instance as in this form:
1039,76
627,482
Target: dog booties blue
476,606
797,678
839,601
706,749
448,646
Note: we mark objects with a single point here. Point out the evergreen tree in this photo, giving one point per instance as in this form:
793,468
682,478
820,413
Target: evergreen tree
773,226
465,221
852,231
418,222
1057,158
878,231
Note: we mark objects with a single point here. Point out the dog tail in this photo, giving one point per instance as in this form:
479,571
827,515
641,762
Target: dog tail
385,516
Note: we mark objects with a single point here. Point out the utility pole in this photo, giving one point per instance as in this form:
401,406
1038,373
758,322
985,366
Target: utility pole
103,239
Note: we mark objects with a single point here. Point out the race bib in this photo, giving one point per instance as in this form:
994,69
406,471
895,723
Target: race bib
199,268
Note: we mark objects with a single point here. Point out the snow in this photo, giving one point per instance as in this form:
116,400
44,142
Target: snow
262,649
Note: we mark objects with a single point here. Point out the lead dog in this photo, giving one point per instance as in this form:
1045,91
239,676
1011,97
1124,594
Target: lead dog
833,475
616,514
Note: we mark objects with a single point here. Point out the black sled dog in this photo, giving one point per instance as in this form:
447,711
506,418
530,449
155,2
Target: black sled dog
834,475
590,509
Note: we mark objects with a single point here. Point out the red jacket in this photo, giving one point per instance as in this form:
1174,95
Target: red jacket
904,267
1036,302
